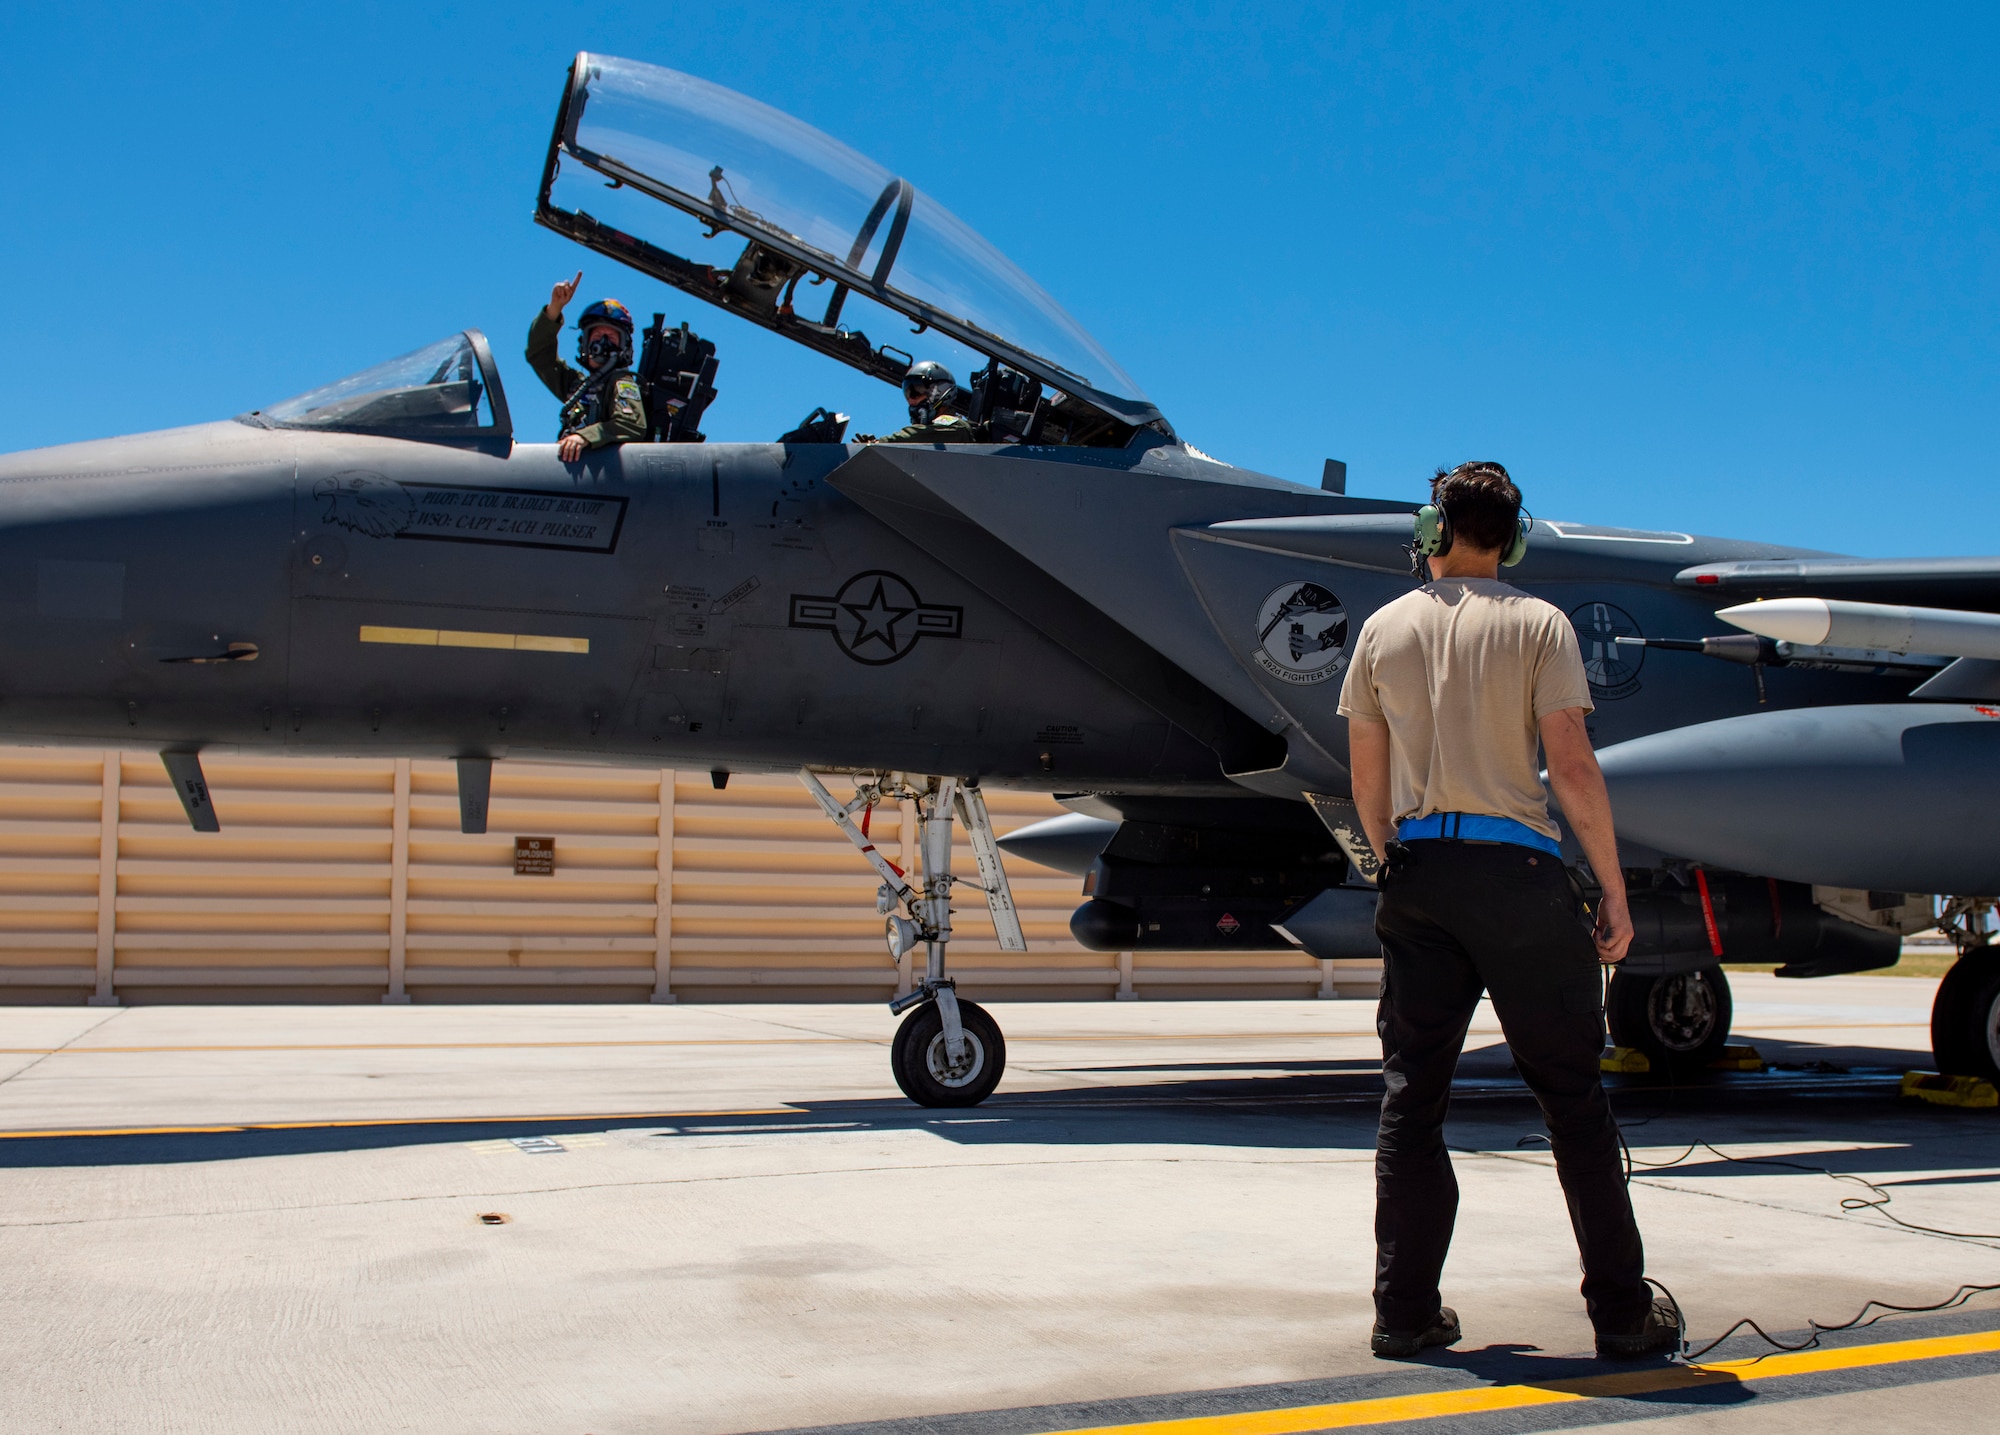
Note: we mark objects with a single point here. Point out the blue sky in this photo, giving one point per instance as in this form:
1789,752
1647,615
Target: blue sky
1731,268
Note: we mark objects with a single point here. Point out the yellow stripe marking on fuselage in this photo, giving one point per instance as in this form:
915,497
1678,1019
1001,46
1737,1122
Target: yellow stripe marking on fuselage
468,638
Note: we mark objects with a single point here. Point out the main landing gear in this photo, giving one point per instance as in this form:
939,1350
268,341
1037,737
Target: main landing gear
1680,1021
948,1051
1965,1014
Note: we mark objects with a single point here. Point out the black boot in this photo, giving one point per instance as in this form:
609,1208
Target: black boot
1660,1335
1401,1345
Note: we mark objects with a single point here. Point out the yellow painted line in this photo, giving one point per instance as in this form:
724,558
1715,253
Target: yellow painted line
1739,1029
546,1119
1017,1038
438,1045
1355,1412
1397,1409
1014,1038
468,638
1204,1036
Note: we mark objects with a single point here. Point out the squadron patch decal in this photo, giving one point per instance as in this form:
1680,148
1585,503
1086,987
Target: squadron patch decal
1611,667
876,617
1301,633
376,506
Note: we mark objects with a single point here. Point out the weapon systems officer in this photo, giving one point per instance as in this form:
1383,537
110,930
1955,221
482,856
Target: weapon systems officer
1448,692
932,394
603,405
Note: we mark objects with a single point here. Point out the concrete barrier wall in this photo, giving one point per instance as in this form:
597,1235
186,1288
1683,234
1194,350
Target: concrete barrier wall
348,880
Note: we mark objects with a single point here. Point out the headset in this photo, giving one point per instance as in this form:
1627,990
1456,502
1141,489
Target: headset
1433,534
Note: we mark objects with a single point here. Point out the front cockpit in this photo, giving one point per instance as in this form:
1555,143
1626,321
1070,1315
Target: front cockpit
834,246
447,391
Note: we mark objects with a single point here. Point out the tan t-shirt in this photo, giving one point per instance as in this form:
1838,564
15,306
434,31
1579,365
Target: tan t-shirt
1463,670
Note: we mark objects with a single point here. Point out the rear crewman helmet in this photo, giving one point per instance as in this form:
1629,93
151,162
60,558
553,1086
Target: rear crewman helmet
929,385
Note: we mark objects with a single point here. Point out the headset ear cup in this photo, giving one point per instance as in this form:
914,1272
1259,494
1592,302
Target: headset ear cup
1433,531
1518,549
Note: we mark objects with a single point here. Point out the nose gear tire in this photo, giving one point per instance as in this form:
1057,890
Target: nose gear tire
1965,1018
923,1068
1680,1021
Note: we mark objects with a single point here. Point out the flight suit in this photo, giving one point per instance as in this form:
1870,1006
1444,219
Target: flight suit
601,408
945,428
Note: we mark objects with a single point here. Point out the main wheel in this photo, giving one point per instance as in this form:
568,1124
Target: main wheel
1965,1019
923,1068
1679,1021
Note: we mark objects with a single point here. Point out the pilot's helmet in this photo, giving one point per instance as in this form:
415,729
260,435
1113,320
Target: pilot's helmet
604,311
928,382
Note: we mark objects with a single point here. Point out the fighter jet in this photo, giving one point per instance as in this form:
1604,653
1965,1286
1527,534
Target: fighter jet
1079,603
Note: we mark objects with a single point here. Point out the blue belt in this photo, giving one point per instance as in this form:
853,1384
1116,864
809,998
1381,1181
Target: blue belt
1475,827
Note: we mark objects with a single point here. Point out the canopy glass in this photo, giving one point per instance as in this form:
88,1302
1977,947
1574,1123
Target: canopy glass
443,390
816,208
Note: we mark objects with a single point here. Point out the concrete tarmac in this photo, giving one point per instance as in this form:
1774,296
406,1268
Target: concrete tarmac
616,1219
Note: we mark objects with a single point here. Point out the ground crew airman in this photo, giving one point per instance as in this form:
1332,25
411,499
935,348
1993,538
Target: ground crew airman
932,394
604,405
1450,691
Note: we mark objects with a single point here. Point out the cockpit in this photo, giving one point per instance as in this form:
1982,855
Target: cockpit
746,208
833,246
447,391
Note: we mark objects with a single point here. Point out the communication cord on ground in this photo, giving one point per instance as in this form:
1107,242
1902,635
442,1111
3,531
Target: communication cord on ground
1877,1200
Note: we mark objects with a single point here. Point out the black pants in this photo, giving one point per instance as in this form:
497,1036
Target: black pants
1456,918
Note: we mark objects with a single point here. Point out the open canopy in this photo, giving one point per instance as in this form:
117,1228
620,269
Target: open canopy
813,210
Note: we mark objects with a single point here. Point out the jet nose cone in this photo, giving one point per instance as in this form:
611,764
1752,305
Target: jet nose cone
225,445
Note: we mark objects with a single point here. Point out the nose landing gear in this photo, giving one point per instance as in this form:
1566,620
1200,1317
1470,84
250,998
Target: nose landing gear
924,1066
947,1052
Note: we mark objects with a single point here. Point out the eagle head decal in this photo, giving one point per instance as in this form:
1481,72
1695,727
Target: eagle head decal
365,503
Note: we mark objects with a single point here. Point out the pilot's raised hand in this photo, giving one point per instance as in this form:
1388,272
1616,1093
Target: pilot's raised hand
570,449
559,297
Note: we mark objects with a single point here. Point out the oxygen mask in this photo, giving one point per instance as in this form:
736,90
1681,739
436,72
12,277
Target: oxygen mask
601,350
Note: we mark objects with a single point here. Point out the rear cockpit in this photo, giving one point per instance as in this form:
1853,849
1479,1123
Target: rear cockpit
668,163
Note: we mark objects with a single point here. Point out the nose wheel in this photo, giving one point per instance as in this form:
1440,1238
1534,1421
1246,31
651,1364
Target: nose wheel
922,1061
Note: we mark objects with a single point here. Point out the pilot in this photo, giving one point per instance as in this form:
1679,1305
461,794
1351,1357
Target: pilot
600,407
932,394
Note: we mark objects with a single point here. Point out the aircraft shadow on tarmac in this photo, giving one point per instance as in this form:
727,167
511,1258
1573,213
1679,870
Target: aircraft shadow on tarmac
1315,1105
